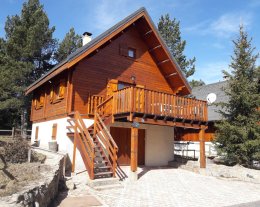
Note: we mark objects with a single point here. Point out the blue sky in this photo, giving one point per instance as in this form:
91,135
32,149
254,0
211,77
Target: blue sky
208,26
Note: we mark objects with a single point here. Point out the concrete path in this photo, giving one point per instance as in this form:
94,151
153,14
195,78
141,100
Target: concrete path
83,201
177,187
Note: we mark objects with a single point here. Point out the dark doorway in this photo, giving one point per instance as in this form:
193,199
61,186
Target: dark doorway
122,137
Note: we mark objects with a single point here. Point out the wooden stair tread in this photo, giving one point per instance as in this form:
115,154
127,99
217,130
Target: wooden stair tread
103,173
103,167
87,137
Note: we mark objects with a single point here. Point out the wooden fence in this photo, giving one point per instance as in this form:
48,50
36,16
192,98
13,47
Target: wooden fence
14,132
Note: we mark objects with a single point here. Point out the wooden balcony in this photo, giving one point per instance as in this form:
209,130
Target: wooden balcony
93,102
156,107
153,107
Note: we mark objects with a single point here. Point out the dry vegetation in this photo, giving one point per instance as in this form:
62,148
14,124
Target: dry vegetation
16,173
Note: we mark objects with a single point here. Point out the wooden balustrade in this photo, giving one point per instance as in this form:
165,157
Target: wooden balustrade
102,133
140,100
83,141
93,102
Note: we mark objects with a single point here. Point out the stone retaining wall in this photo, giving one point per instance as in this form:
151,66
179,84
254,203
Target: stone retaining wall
41,192
236,172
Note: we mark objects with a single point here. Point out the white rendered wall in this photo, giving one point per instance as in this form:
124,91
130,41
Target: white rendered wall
64,142
159,143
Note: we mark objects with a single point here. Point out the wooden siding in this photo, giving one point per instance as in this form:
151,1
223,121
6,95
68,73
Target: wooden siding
92,74
50,110
182,134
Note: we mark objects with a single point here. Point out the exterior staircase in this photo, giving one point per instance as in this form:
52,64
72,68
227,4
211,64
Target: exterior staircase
95,143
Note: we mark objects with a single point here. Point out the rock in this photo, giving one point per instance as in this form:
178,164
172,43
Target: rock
70,184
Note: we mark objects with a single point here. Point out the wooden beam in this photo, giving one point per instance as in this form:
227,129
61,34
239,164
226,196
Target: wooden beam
134,149
154,48
164,61
178,89
150,31
202,147
74,151
172,74
167,123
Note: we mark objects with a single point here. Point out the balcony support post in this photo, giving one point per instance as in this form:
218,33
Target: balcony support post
134,153
202,146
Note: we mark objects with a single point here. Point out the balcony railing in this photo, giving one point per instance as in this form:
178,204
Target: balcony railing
93,102
144,101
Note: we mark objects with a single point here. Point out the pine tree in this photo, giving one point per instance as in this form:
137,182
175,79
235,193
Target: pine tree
69,44
238,134
196,83
13,78
26,54
170,32
29,39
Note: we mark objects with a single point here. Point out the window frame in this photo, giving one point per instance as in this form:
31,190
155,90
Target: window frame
133,50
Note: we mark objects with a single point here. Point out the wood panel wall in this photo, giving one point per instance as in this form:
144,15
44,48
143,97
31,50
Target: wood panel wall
182,134
92,74
50,110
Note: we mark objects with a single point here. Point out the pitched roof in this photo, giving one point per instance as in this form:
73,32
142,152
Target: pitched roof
201,93
82,52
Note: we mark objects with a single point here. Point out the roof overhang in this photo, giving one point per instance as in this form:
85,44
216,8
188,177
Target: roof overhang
151,36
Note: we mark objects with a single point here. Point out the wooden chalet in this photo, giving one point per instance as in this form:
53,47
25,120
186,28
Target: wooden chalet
117,100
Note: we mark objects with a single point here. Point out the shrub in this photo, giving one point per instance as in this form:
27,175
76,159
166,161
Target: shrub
16,151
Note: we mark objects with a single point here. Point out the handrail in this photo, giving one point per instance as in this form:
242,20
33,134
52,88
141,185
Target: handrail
104,102
84,141
99,126
140,100
108,133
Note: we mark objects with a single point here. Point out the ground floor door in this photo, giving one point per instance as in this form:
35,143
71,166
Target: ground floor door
122,137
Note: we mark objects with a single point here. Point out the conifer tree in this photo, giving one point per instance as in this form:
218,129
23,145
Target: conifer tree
69,44
29,38
196,83
238,134
170,32
26,54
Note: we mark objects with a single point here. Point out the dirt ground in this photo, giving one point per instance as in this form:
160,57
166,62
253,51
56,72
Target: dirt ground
13,177
16,176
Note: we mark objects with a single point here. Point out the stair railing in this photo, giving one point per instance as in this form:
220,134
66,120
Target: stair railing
84,142
104,111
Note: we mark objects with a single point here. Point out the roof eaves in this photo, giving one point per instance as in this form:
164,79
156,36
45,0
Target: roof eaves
93,42
168,51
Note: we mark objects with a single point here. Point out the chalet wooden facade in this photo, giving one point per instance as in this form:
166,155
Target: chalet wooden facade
106,102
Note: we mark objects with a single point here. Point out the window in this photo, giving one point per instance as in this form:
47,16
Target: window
58,91
127,51
131,53
39,101
122,85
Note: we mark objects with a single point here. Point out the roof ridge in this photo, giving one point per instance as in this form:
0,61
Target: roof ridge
210,84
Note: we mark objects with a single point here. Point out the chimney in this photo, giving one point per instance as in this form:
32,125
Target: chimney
86,38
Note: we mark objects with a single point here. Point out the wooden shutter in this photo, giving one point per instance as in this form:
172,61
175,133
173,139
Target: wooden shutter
41,99
54,131
111,87
123,49
35,103
51,95
62,88
36,133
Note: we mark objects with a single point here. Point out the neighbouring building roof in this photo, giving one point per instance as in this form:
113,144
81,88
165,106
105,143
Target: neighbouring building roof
76,56
201,92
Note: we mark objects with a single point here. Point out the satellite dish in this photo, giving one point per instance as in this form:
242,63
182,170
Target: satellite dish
211,98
